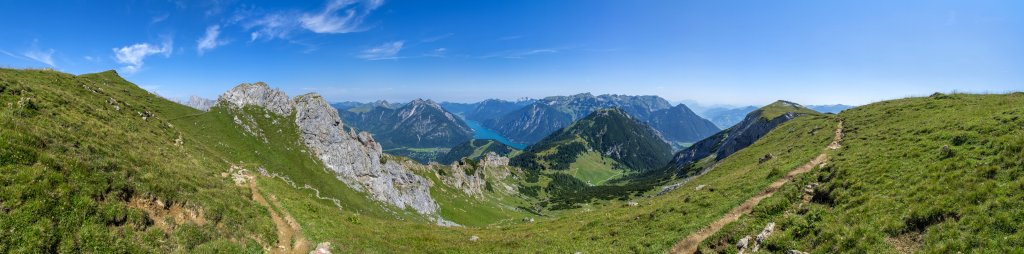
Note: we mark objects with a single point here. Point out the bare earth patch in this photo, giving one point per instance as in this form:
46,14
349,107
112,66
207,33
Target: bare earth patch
289,233
159,212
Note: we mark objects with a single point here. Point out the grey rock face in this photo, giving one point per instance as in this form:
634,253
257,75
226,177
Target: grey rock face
473,181
200,103
492,159
258,94
356,159
743,243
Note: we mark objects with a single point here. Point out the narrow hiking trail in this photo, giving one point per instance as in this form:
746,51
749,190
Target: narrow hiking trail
289,233
690,243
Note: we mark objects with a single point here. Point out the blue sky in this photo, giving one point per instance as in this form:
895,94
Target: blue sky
713,52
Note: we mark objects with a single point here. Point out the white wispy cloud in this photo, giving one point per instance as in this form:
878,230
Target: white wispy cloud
159,18
42,56
134,55
438,52
9,54
384,51
272,26
337,16
327,21
210,40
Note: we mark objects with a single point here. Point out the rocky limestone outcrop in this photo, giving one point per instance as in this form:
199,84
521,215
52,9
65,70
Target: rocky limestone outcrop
492,159
466,177
258,94
472,178
356,159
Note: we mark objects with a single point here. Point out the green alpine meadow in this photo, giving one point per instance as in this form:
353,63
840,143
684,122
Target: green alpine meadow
580,127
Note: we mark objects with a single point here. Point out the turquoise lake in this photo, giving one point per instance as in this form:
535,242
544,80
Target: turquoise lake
481,132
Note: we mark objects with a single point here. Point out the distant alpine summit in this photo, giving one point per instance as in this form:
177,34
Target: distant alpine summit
535,121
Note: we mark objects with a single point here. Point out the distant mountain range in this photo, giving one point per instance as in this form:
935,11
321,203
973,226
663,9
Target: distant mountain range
528,121
486,109
535,121
834,109
364,106
725,117
418,124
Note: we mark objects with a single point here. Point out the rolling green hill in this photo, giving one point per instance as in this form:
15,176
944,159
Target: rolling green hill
579,158
609,132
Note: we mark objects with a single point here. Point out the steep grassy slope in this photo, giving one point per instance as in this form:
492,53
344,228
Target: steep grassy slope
94,164
941,174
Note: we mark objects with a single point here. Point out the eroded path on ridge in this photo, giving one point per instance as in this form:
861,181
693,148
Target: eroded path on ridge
289,233
690,243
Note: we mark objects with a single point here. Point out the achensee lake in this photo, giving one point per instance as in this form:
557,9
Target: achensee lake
481,132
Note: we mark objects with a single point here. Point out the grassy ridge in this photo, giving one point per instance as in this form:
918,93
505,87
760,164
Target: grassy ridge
941,174
77,151
778,108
